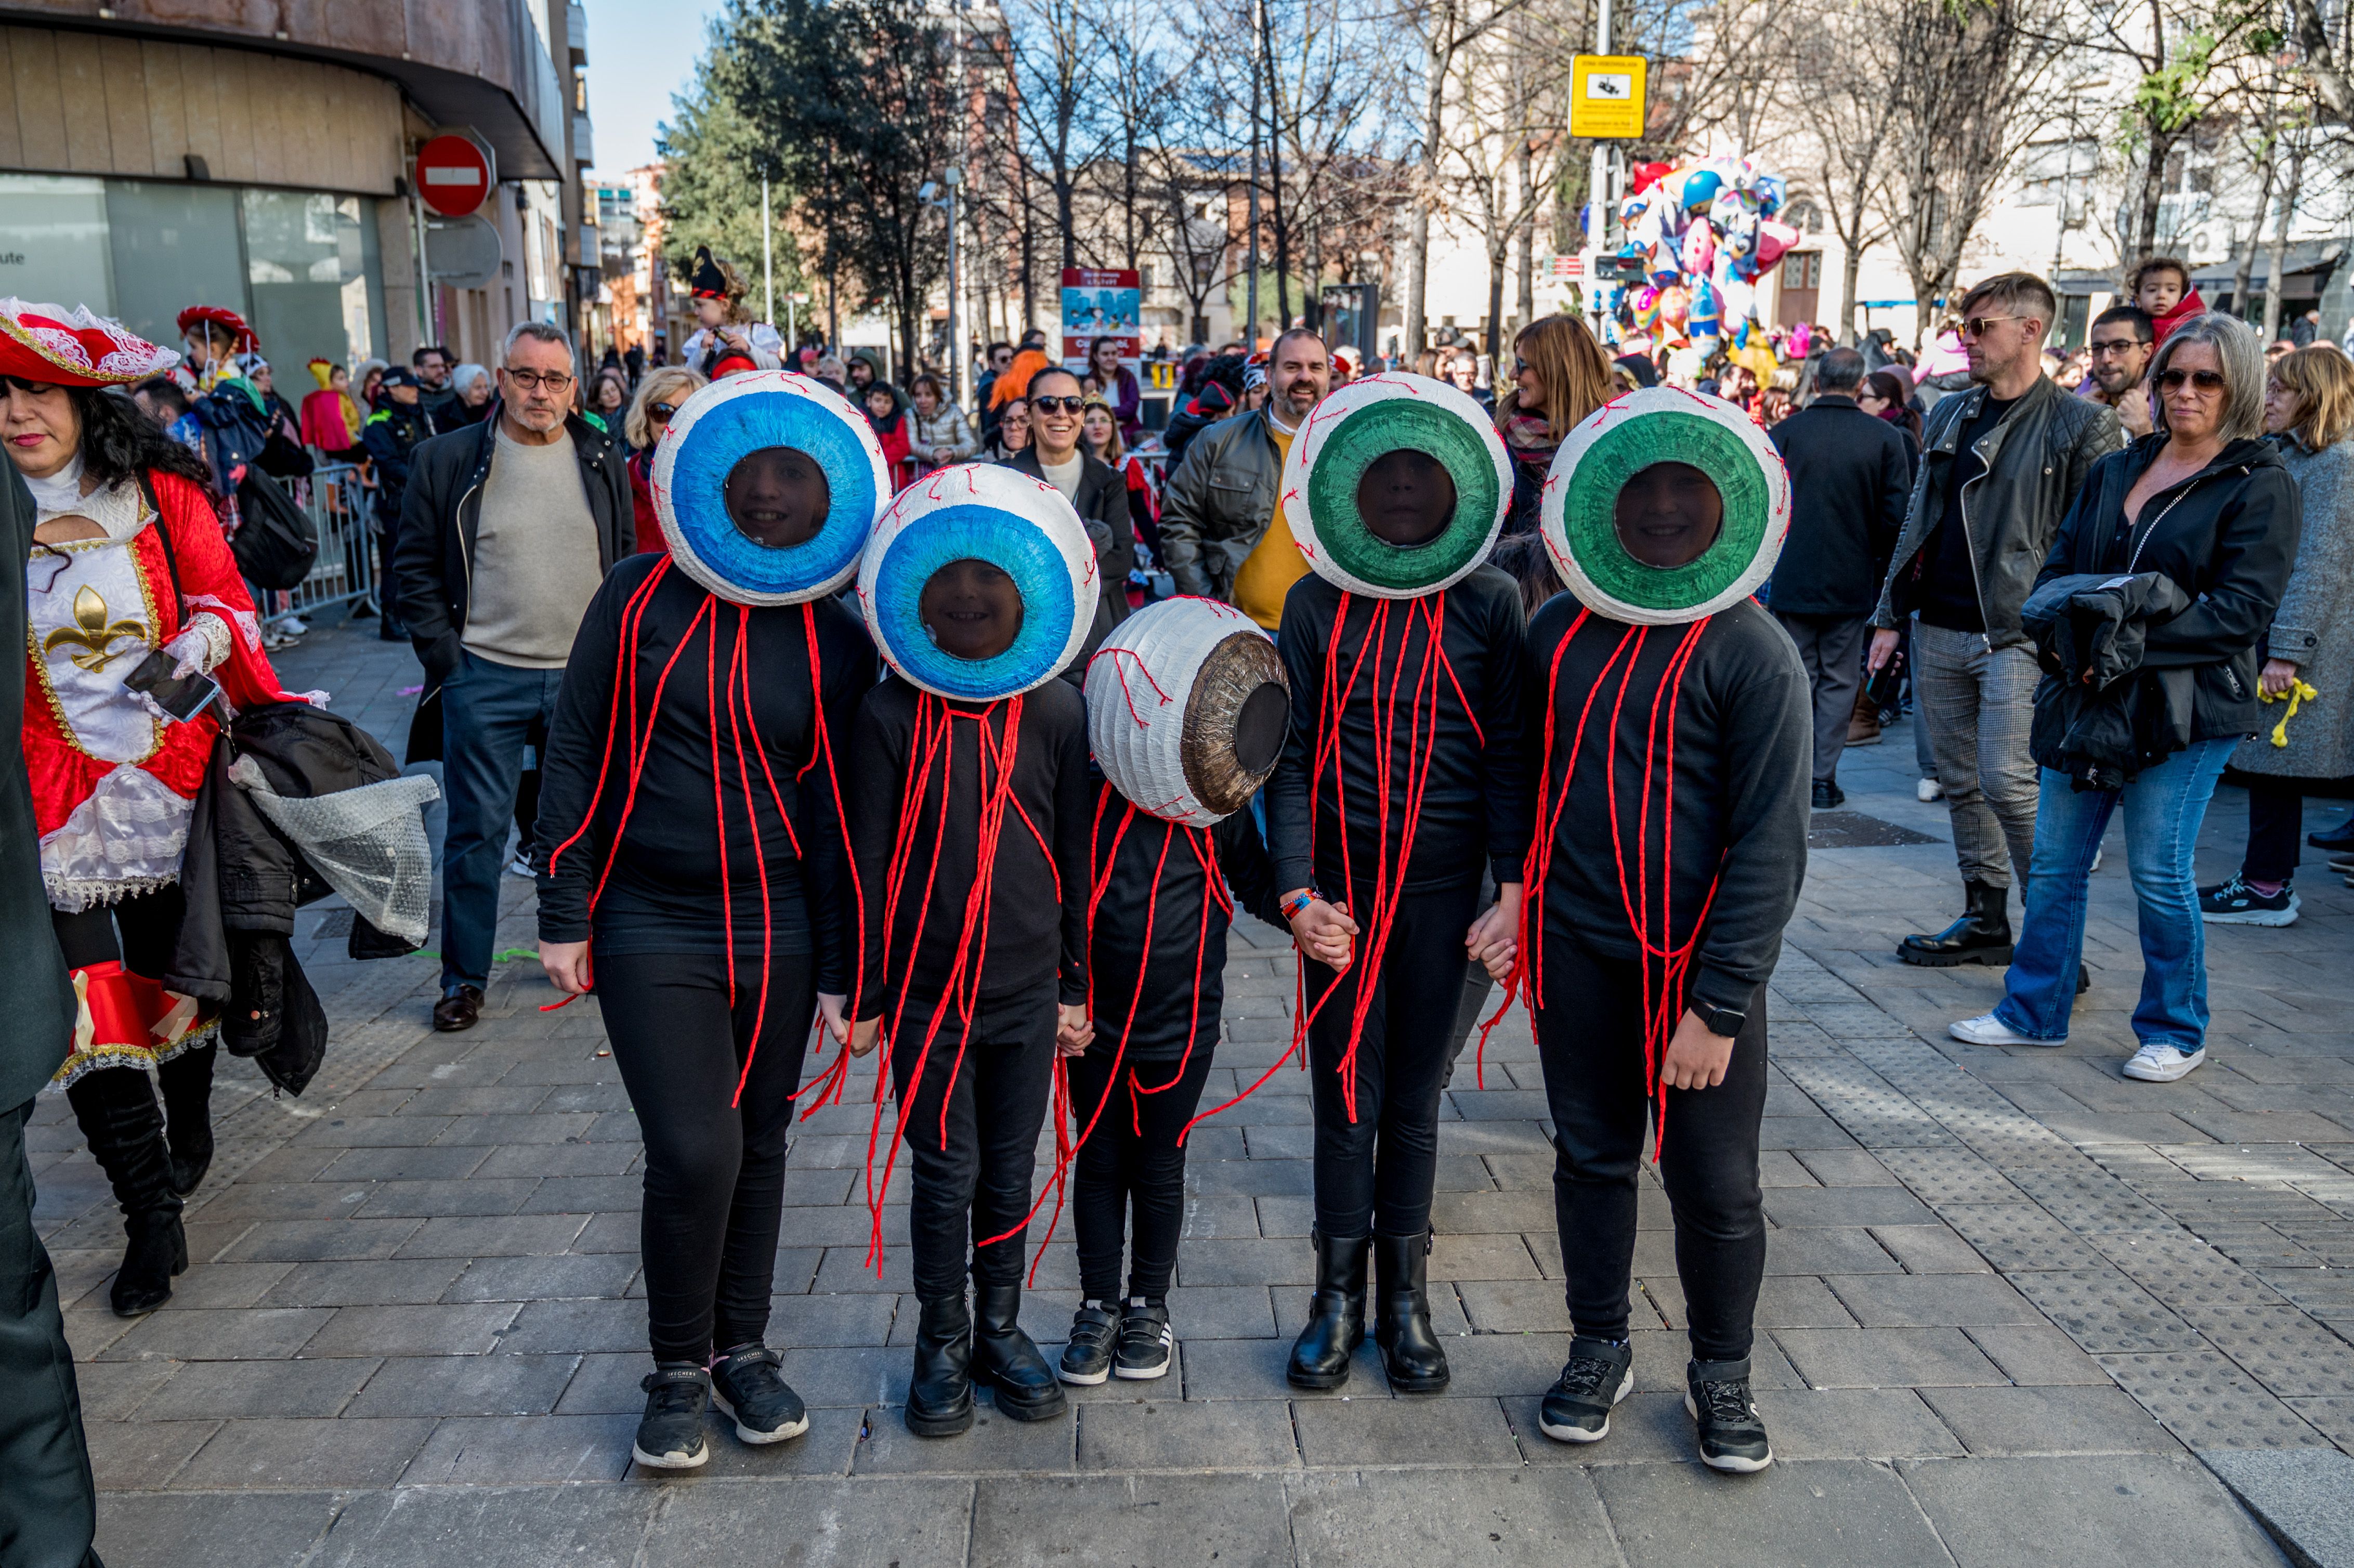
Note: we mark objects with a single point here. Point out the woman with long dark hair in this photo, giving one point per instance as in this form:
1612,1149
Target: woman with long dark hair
129,562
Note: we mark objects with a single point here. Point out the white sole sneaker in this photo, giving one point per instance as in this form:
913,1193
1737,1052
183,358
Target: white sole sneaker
2164,1064
1579,1434
753,1434
2256,916
1928,790
1730,1463
1986,1029
672,1460
1080,1380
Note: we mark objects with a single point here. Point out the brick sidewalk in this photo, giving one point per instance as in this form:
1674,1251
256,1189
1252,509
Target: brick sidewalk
2009,1294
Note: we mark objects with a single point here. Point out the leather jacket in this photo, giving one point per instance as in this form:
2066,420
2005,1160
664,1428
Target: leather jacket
2036,461
1217,504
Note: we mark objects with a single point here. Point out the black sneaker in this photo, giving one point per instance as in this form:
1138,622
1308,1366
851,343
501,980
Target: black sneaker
1577,1409
1731,1433
1087,1360
2237,904
1828,796
1145,1340
766,1408
670,1433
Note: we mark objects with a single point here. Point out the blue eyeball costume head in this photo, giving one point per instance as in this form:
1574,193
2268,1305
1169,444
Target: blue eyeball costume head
979,511
727,422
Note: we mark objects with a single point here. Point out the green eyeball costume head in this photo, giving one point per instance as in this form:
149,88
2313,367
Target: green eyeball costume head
1397,486
1665,507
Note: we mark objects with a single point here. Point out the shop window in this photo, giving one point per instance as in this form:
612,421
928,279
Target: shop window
53,242
174,245
310,262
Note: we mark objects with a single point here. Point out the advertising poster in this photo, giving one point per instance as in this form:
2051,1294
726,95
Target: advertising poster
1100,301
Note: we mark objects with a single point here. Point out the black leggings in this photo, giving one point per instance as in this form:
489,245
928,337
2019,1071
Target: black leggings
1376,1171
1131,1165
1590,1041
2275,828
994,1113
715,1170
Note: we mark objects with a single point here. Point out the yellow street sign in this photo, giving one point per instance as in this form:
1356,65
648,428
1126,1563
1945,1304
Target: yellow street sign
1606,96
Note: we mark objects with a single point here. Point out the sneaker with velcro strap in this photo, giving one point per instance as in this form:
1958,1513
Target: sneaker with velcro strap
670,1433
1598,1374
1146,1340
1731,1433
1087,1359
764,1404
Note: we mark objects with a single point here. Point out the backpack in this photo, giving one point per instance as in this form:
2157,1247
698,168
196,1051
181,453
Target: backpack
275,541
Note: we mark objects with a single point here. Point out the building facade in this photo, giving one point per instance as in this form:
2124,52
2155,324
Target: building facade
160,153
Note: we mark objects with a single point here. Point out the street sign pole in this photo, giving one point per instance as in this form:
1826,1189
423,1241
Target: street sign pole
767,259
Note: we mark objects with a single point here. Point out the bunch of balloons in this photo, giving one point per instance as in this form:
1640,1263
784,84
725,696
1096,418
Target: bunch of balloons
1703,233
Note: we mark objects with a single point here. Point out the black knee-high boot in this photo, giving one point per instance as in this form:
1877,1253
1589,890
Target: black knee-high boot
186,1081
119,1116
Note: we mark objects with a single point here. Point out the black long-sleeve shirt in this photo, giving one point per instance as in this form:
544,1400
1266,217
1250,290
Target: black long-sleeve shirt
1037,902
1475,800
1743,732
664,894
1151,869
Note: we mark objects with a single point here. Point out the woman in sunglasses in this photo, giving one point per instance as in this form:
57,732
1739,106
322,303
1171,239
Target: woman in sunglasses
2183,540
1057,408
660,394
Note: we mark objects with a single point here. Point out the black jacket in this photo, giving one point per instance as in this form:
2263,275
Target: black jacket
433,562
2037,461
2227,537
1102,504
1850,478
243,881
32,972
2090,630
392,435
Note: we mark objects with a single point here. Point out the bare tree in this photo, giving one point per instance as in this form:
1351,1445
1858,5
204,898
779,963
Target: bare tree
1497,161
1846,117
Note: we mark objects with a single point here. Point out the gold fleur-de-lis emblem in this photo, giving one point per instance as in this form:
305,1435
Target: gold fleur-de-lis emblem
96,635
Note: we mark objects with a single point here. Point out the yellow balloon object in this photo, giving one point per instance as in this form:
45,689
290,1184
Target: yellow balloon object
1759,358
2296,697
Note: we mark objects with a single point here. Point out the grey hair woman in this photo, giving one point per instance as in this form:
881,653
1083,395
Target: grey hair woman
2204,509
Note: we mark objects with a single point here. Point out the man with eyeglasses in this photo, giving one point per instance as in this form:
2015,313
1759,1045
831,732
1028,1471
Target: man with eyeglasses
506,530
2001,464
2120,342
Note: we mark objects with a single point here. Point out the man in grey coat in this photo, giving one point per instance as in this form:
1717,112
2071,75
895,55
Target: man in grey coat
2000,463
48,1507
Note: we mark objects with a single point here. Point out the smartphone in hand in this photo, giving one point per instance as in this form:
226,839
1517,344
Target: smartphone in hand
183,697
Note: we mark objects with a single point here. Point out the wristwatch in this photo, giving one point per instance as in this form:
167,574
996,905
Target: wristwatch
1720,1020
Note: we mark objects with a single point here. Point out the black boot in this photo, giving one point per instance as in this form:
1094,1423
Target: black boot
119,1117
1411,1353
1982,935
939,1396
1009,1360
1336,1317
186,1081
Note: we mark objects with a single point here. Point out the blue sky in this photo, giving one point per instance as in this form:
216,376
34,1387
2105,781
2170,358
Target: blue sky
640,53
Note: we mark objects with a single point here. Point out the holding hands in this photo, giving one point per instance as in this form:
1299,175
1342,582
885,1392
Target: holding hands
1323,931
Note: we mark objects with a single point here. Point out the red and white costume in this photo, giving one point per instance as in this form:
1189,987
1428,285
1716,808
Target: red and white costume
114,782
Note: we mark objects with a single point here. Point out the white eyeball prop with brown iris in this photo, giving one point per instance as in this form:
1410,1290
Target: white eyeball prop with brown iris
1187,708
1664,507
1397,486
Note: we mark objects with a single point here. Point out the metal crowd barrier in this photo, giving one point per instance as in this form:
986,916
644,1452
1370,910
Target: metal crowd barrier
339,506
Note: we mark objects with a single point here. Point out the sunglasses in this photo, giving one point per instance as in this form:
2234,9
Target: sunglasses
662,412
1977,326
1049,405
2208,381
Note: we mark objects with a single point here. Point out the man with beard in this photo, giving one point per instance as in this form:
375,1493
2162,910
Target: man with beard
2121,342
1229,539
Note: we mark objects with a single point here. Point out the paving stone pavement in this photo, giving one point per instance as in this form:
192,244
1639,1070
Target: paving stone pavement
2011,1296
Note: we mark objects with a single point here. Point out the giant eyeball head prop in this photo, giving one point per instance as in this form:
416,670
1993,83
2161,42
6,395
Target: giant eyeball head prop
979,582
1664,507
1187,709
767,486
1397,486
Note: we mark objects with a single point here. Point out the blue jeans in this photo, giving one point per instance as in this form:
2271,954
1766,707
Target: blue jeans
2163,810
487,713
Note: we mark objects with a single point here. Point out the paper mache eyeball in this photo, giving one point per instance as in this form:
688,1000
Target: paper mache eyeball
1426,457
767,486
1618,441
1187,708
979,511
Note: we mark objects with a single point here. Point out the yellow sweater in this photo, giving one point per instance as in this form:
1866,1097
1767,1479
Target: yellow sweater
1274,564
